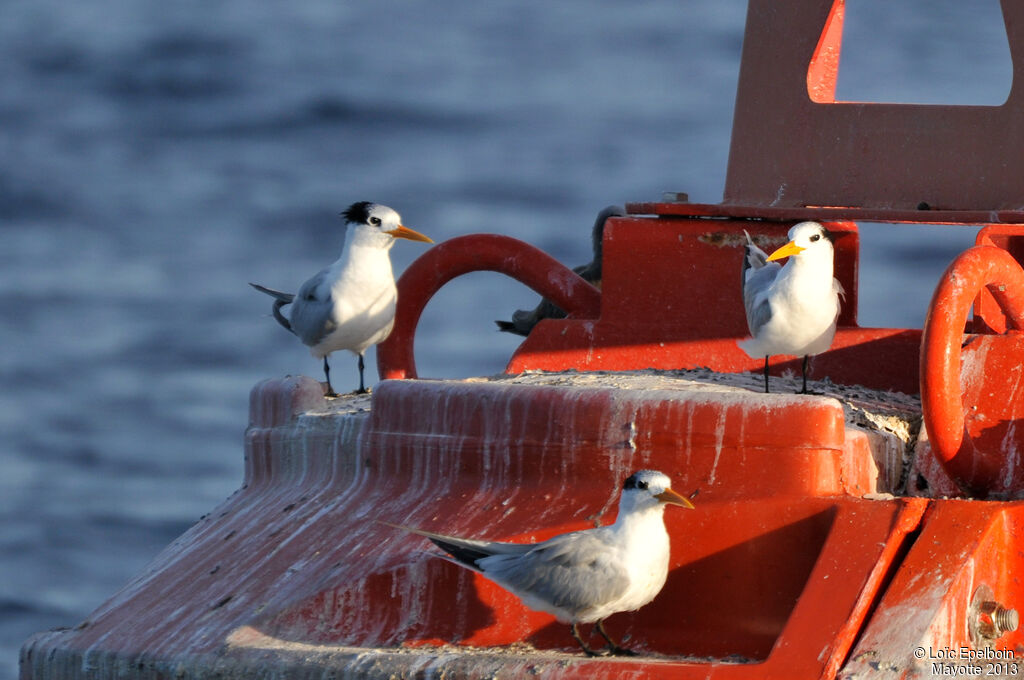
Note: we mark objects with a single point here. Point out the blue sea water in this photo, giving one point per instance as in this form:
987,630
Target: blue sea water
155,157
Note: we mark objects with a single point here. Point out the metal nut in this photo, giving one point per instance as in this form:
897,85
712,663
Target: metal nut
988,619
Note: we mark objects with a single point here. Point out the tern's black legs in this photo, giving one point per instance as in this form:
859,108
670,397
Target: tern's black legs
362,387
588,650
803,390
614,647
327,374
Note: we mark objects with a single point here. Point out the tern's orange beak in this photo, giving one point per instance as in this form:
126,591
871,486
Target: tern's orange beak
670,497
785,251
406,232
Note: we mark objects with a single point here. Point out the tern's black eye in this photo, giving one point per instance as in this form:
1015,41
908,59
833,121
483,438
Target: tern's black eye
634,483
375,221
816,237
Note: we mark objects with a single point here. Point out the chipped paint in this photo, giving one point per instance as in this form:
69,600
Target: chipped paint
733,239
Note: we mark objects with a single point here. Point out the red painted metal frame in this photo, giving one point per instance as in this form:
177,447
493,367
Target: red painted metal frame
988,315
794,146
782,564
826,214
683,311
465,254
981,267
958,546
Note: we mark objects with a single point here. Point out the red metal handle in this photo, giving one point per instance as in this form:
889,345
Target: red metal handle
473,253
941,394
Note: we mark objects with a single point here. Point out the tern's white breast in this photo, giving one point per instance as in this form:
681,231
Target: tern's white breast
363,296
641,545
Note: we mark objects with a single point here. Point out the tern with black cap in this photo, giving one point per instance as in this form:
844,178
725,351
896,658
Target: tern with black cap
791,309
350,305
583,576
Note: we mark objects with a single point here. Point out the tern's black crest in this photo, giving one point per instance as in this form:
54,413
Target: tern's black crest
827,234
358,213
635,482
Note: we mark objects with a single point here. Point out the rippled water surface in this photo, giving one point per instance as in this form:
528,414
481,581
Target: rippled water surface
155,157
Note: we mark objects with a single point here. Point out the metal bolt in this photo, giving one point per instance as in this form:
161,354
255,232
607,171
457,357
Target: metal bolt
988,619
1007,619
995,620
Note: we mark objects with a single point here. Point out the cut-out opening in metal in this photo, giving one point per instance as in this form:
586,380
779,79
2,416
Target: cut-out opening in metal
936,52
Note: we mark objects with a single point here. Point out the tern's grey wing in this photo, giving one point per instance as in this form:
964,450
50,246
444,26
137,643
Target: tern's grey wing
755,284
311,313
573,572
758,275
753,258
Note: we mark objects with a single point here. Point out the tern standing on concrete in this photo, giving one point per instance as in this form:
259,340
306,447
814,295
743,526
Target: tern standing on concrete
351,304
584,576
791,309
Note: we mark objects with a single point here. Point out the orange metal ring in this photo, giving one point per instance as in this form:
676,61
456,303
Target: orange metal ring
941,398
477,252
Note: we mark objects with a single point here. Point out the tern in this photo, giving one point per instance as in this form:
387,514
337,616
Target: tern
523,320
351,304
583,576
791,309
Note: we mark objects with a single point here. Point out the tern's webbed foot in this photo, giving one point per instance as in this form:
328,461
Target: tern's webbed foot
588,650
613,647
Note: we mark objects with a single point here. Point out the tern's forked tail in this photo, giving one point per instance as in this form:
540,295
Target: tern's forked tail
466,551
280,300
